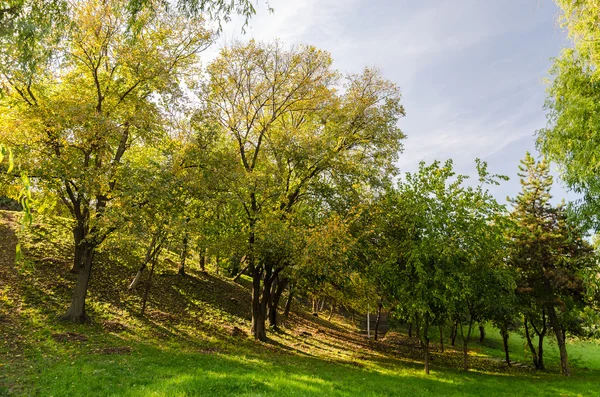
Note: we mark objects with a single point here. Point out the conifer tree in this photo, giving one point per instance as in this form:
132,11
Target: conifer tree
548,253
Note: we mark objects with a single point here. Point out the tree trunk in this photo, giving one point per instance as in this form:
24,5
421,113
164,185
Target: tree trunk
322,304
410,329
465,340
541,334
505,335
258,315
560,338
441,338
530,345
454,333
330,310
541,351
236,278
418,326
481,333
145,299
425,343
278,287
76,312
184,251
80,247
202,259
379,307
149,256
288,303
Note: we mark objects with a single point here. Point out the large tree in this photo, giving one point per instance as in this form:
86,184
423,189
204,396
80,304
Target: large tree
549,254
573,104
80,115
290,130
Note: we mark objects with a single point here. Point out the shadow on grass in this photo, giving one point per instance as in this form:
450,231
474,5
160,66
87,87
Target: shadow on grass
155,371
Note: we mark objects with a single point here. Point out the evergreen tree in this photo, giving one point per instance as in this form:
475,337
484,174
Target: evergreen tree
548,253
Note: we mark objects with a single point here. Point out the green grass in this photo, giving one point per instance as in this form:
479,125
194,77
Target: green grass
151,370
182,346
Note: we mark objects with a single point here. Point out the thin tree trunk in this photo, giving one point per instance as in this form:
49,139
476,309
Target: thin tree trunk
184,251
541,334
441,337
481,333
322,304
78,236
331,310
236,278
76,312
145,298
277,287
288,303
418,326
147,258
379,307
258,315
534,355
425,343
410,329
505,335
453,334
560,338
466,343
202,259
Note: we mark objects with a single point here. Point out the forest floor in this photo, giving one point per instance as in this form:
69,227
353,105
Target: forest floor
189,342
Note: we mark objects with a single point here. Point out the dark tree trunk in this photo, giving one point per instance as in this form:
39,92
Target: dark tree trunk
236,278
560,338
534,355
288,303
277,288
202,259
410,329
331,310
441,338
541,351
425,343
76,312
184,252
453,334
481,333
418,326
379,307
145,298
80,247
541,333
465,339
150,252
505,335
258,314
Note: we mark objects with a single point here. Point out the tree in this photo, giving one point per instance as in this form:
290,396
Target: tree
290,131
79,118
437,241
570,139
549,253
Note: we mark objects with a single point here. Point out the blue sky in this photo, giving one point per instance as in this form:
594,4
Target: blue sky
471,71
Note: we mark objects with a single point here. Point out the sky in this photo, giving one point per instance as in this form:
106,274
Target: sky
471,72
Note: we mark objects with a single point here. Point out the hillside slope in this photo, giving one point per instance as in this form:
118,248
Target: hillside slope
189,342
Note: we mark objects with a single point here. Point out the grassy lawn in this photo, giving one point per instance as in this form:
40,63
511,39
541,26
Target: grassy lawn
183,345
151,370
